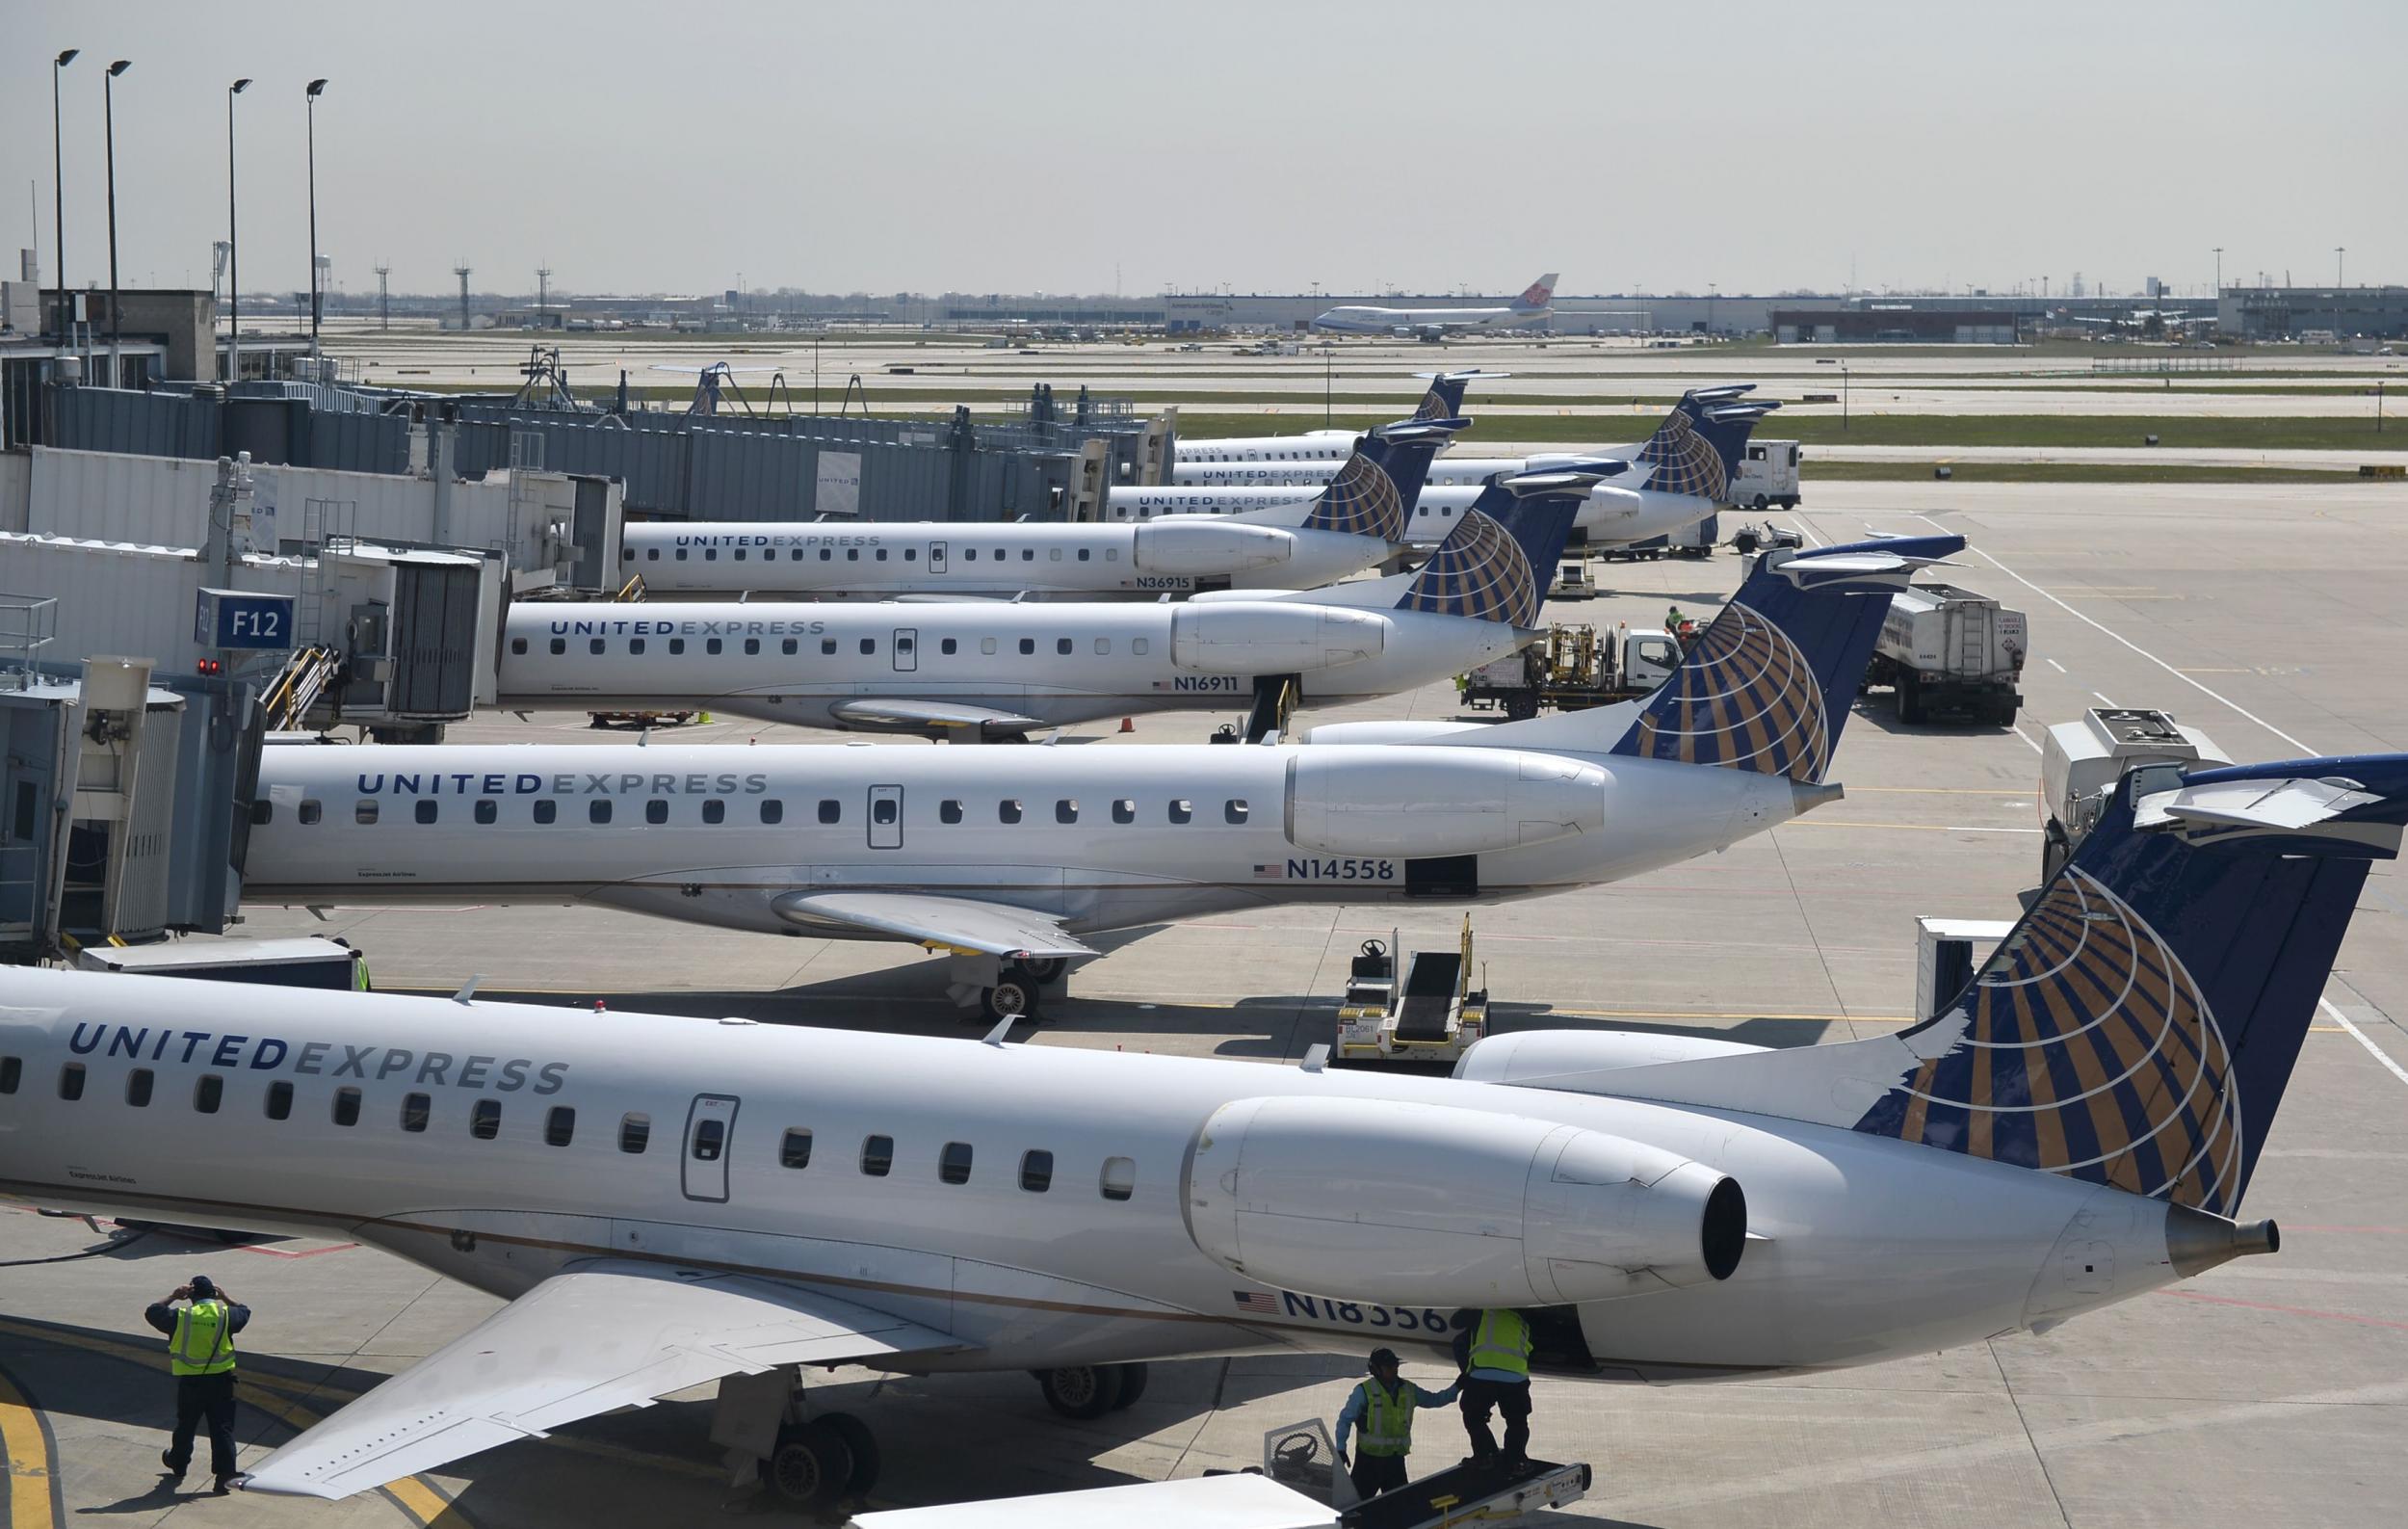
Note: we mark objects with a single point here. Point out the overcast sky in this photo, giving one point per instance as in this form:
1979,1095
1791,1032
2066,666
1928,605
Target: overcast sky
1075,147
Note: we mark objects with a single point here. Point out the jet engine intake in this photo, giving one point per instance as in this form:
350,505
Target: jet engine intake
1198,544
1439,801
1237,637
1418,1205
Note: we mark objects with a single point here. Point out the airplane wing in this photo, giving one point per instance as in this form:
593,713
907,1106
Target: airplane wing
605,1334
963,924
1238,1501
891,713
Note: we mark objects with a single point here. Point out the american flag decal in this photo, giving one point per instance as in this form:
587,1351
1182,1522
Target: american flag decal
1263,872
1257,1303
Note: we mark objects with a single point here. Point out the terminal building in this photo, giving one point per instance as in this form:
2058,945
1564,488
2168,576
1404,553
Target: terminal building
2293,313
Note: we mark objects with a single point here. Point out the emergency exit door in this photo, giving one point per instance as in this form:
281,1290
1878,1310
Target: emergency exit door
937,557
710,1125
906,649
886,817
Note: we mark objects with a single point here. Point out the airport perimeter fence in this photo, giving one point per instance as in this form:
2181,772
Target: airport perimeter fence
718,467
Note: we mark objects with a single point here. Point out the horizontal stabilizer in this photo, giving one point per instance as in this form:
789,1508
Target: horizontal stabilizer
2252,805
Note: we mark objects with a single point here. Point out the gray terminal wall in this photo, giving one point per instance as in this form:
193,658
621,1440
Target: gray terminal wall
716,467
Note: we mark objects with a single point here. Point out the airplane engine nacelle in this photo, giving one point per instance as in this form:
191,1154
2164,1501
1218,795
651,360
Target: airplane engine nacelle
1424,801
1434,1205
1236,637
1200,545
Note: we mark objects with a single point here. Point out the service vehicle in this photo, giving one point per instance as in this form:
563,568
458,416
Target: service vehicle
1426,1012
1572,580
1573,669
1947,651
1768,476
2081,762
1695,539
1749,540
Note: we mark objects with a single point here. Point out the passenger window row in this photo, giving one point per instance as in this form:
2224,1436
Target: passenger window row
627,554
367,811
485,1116
1115,1180
598,646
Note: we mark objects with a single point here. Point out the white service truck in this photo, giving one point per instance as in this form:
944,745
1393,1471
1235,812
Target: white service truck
2080,761
1947,651
1768,476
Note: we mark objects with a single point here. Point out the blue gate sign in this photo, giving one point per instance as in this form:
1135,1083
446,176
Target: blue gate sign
240,618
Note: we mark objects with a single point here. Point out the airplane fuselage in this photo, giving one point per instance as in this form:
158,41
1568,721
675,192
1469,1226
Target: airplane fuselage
1097,837
826,665
1037,1204
1607,515
999,561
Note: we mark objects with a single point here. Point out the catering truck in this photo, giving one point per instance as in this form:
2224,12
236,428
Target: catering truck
1768,476
1949,651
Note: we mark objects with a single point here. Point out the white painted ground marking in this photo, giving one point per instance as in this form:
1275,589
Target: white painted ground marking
2128,643
2377,1052
2103,701
2054,664
2018,729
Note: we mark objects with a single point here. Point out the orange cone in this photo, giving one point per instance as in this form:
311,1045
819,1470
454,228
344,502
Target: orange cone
1128,725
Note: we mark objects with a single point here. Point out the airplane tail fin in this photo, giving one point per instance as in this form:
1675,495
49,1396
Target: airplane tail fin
1445,397
1376,489
1768,685
2137,1027
1536,297
1696,450
1494,565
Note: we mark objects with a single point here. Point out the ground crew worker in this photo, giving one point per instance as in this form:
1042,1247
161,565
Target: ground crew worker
1496,1374
1382,1406
201,1351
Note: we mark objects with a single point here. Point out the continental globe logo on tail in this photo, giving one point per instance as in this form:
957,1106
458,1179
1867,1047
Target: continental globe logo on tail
1745,698
1361,500
1478,571
1683,462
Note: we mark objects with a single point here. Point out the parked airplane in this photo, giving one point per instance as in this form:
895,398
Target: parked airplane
1013,861
1353,524
2078,1128
1433,323
982,669
1443,400
1676,478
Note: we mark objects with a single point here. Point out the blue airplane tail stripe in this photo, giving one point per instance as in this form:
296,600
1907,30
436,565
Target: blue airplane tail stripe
2138,1027
1767,686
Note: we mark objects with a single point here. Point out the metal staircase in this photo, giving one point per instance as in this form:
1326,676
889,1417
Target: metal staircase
304,677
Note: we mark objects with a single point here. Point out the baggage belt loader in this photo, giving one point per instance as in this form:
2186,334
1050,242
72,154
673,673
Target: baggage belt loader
1424,1014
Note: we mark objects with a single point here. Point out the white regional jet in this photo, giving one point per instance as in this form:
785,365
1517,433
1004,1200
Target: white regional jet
1676,478
1432,324
979,670
663,1201
1296,540
1013,858
1442,400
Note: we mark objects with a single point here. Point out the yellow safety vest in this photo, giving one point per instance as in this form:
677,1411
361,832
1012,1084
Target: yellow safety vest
1387,1420
205,1339
1501,1342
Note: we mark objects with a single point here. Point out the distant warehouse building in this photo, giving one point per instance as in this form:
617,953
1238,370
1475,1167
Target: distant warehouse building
1882,324
2287,313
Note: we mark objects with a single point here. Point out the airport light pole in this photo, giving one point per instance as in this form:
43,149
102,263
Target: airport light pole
311,98
58,187
233,250
1844,396
109,117
2339,251
2219,271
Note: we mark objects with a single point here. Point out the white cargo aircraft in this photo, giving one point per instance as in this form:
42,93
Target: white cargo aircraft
1535,303
1013,859
663,1201
1676,478
1296,540
983,671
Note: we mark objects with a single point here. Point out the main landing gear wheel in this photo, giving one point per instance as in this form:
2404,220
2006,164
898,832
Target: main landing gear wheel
1040,969
863,1445
1132,1385
1083,1391
1012,995
814,1464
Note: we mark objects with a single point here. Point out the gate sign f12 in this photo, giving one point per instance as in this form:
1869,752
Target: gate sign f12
239,618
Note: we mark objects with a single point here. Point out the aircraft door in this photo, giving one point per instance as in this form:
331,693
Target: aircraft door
886,817
937,557
710,1123
906,649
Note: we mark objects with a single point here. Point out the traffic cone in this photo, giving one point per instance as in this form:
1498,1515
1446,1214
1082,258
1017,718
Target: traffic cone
1128,725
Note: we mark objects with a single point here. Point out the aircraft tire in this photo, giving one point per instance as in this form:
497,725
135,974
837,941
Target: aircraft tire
862,1445
1081,1391
1132,1385
1012,995
811,1464
1043,969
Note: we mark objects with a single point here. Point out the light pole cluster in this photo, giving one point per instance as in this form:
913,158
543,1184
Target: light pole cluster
58,212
